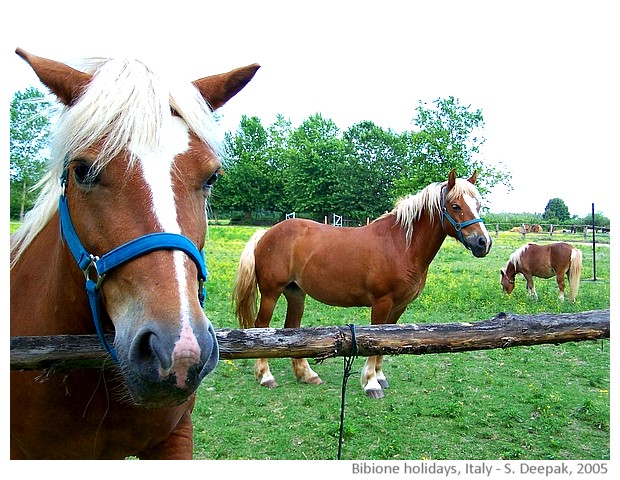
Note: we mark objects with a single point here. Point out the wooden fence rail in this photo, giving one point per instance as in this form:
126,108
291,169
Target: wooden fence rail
65,352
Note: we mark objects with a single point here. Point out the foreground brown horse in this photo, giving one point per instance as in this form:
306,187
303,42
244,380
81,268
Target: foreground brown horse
382,265
122,217
544,261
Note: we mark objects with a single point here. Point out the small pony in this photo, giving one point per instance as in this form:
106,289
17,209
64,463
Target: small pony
544,261
382,265
114,244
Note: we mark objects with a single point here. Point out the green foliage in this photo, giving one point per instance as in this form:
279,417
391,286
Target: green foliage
28,137
315,166
316,170
449,136
375,157
536,402
556,210
250,183
600,220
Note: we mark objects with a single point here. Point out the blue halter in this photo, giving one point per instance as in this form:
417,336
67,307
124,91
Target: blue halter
118,256
457,225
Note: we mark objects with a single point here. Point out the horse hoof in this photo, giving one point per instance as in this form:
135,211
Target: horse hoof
313,380
375,393
269,383
384,383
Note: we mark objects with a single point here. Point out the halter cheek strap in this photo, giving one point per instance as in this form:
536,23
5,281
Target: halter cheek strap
117,257
458,226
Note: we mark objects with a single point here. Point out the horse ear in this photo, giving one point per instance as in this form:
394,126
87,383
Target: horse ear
65,82
473,178
218,89
451,179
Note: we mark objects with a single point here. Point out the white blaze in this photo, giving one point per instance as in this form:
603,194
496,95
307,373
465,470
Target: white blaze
157,169
472,203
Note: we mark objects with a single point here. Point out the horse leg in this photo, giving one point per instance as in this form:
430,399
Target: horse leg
560,278
261,366
296,299
381,378
531,290
369,379
373,379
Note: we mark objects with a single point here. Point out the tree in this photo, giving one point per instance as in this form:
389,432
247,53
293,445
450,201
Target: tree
30,129
315,167
374,160
556,211
449,136
245,184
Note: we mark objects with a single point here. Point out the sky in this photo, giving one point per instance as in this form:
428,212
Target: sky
542,72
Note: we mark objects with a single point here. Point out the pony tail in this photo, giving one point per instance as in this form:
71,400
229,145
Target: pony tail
245,293
574,273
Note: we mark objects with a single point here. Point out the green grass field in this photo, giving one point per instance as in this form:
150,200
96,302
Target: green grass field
538,402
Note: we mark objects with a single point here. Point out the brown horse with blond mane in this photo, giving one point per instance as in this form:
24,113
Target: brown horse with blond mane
382,265
114,244
544,261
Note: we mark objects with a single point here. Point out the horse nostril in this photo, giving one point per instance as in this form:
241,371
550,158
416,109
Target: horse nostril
148,349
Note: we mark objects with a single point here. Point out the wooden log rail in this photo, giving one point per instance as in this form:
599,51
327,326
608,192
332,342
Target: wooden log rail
65,352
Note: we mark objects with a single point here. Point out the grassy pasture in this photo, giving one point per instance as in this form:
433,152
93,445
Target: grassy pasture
538,402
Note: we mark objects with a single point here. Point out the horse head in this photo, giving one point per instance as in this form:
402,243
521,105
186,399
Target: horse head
136,158
507,281
460,214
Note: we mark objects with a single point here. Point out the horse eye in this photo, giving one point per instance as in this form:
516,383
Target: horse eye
212,179
456,207
83,174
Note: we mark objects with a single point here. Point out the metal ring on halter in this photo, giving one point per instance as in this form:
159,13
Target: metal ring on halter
93,264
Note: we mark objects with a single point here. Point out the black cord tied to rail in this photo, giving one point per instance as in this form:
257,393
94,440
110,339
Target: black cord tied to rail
348,364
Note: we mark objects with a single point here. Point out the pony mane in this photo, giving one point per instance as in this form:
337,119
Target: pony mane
125,106
515,257
409,209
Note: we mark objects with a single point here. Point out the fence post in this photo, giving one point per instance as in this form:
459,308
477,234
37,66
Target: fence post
593,245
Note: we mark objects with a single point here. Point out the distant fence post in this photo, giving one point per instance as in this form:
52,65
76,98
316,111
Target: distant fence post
593,245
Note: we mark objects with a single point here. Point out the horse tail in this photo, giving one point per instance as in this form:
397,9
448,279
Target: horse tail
245,293
574,272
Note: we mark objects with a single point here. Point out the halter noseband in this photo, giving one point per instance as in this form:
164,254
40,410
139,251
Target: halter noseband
118,256
458,226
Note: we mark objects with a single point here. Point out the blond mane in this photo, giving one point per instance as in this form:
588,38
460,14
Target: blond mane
409,209
126,106
515,257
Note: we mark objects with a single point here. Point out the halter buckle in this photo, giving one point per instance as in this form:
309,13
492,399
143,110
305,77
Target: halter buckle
93,265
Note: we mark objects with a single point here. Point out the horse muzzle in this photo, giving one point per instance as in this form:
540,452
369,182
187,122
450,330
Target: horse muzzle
479,244
163,368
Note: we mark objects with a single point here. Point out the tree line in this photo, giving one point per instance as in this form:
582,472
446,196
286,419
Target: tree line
315,169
